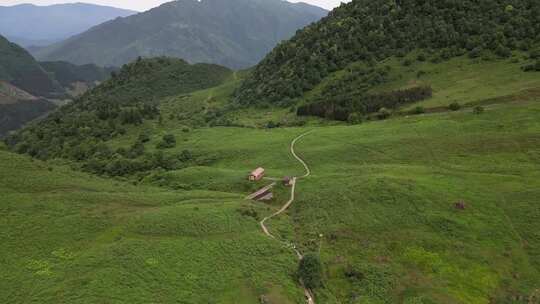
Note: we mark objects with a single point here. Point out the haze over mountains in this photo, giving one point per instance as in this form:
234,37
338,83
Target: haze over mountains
31,25
235,33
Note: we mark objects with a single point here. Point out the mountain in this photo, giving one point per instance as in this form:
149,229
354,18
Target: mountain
77,78
20,69
28,24
235,33
129,97
336,61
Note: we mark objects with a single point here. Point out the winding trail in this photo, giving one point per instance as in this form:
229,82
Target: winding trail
307,292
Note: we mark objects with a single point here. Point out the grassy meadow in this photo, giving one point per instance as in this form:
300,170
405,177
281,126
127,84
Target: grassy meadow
68,237
379,206
383,196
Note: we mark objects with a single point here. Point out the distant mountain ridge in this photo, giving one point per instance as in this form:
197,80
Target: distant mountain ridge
28,24
235,33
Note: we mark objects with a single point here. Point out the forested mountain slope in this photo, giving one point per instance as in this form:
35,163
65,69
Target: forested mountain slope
19,68
235,33
368,32
131,96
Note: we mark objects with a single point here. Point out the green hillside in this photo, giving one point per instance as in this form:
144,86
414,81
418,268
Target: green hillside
236,33
413,128
382,195
20,69
369,32
130,97
72,238
68,74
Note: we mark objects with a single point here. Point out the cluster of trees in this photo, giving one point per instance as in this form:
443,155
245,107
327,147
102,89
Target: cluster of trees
310,271
353,109
371,31
79,131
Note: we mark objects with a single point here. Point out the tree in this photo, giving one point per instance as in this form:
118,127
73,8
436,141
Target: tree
454,106
168,141
355,118
310,271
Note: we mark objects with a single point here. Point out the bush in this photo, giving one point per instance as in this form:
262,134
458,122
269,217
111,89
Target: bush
355,119
454,106
310,271
168,141
419,110
143,138
383,113
478,110
421,57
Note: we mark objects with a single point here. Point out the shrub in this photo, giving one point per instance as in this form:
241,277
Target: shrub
454,106
168,141
143,138
478,110
419,110
383,113
355,118
421,57
310,271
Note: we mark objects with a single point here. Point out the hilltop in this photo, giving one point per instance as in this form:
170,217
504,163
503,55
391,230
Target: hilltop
343,52
235,33
32,25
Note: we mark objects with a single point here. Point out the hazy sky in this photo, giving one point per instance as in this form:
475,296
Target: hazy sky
142,5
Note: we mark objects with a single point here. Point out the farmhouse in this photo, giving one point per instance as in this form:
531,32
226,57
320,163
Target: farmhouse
256,174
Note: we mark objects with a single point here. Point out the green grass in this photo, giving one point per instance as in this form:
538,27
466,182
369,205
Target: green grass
383,195
463,80
72,238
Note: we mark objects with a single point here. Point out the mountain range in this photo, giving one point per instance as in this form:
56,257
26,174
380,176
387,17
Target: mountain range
32,25
235,33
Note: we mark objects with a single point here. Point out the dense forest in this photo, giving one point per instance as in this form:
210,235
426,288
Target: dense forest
371,31
353,109
77,131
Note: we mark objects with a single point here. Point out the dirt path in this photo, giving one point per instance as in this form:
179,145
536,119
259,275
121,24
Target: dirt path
307,292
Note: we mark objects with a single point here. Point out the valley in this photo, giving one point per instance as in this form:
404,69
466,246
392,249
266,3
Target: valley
394,151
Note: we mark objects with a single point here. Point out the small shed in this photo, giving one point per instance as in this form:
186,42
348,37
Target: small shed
287,181
256,174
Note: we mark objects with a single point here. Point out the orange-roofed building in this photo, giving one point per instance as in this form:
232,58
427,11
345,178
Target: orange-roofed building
256,174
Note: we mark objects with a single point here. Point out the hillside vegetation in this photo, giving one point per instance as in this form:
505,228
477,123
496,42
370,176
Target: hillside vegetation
235,33
383,196
368,32
129,98
72,238
427,194
68,74
19,68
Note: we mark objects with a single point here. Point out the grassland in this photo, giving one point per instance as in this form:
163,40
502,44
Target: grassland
72,238
382,194
379,206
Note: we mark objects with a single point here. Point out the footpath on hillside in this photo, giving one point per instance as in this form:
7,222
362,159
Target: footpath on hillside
307,292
